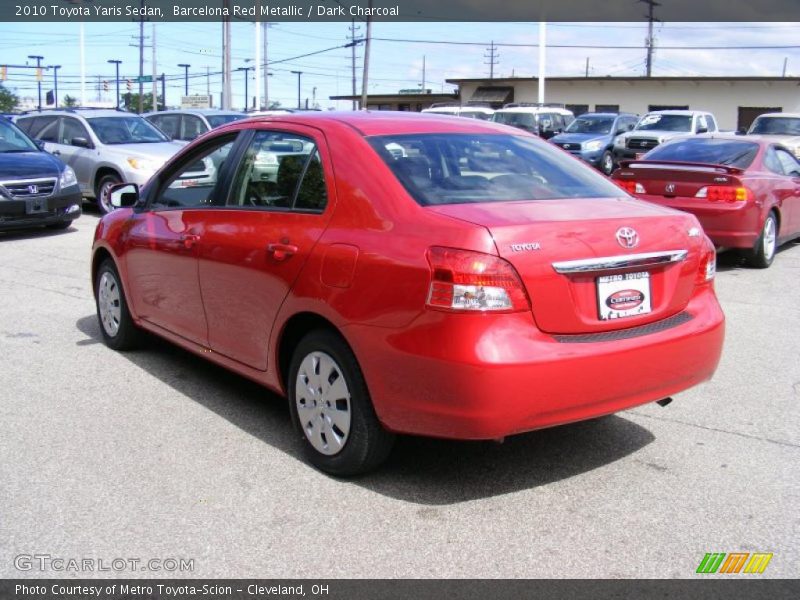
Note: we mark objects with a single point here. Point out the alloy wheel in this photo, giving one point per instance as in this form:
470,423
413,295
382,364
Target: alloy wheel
109,303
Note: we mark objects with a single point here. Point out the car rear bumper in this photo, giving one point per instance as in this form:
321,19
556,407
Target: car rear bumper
489,376
19,214
727,224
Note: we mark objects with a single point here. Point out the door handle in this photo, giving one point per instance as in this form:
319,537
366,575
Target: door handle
281,251
189,240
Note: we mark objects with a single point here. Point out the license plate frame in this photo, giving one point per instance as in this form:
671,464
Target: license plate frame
36,205
624,295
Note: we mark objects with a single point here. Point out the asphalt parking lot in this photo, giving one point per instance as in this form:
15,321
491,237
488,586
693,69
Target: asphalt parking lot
158,454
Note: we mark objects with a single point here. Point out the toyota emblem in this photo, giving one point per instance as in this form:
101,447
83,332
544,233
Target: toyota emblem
670,188
566,145
627,237
643,144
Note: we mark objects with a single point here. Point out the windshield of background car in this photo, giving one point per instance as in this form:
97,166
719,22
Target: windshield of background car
125,130
734,153
516,119
458,168
218,120
665,123
776,126
591,125
13,140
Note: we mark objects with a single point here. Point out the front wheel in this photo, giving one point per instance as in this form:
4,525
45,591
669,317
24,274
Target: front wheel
607,163
103,192
331,406
117,326
763,253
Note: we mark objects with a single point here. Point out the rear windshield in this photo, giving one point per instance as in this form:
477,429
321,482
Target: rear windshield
459,168
665,123
732,153
219,120
776,126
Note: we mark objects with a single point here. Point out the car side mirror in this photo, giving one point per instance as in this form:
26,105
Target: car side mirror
702,130
39,144
741,131
81,142
124,195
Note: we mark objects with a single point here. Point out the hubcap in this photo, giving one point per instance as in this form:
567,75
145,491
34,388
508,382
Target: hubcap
105,197
108,303
323,403
769,238
608,165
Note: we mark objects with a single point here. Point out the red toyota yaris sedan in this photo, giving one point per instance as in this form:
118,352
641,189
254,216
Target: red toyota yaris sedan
400,273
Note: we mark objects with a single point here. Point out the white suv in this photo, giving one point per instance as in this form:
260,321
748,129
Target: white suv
544,120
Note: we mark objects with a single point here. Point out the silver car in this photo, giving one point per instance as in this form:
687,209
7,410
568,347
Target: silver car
188,123
103,147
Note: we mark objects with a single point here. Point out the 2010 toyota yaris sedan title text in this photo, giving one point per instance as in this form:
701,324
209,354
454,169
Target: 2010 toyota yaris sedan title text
400,273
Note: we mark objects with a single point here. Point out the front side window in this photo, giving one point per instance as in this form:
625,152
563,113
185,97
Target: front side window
71,129
280,171
125,130
194,182
665,123
460,168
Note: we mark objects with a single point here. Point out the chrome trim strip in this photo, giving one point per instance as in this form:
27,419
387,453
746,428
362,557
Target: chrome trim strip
607,263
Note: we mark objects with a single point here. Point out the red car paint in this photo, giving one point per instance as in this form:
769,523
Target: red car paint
728,222
226,284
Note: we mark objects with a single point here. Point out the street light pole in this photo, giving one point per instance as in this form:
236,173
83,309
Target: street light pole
38,76
117,63
185,78
55,85
298,73
246,90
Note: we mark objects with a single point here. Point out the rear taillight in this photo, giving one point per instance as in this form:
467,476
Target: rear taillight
463,280
723,193
708,264
632,187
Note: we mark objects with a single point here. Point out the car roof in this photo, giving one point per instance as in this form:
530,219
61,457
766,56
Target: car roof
89,112
606,114
780,114
384,122
684,113
535,109
733,137
195,111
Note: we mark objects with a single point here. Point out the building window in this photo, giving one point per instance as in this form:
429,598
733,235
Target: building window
653,107
608,108
577,109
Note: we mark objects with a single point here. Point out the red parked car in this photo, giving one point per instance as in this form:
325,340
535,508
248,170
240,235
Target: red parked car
400,273
745,191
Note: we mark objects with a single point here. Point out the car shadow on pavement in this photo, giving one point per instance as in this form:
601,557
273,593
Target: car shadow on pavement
419,470
34,232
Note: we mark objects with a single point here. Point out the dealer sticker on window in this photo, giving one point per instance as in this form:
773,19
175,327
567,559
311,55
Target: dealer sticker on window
623,295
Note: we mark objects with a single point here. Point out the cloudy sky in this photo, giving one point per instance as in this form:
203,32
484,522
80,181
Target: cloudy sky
395,64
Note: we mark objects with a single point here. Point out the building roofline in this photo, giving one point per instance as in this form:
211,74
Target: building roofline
512,80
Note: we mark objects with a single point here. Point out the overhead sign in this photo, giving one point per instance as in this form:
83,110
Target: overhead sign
145,79
196,101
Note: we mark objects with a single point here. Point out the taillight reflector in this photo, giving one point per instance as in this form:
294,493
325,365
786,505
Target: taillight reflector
632,187
464,280
724,193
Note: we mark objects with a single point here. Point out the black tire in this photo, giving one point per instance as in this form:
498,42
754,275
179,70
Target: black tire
367,443
763,253
126,336
101,192
607,163
60,225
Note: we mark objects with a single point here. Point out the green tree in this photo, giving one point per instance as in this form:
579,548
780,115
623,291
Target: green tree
69,101
130,102
8,100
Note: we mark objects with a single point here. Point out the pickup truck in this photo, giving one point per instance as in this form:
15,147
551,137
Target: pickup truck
659,126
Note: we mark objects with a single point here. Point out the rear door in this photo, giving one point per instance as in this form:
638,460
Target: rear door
251,253
791,204
79,158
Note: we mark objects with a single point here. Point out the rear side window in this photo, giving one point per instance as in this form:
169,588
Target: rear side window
459,168
732,153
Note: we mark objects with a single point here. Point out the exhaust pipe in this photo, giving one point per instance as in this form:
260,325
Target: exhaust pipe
664,402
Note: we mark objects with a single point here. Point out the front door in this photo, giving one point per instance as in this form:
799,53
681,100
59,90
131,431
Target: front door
279,203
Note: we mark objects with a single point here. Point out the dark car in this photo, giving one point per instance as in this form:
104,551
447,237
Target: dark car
36,188
591,137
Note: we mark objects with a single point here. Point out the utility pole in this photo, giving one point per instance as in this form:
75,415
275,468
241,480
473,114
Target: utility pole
587,66
208,81
117,63
367,45
55,84
246,90
226,58
492,56
298,73
141,57
651,4
354,29
164,89
423,74
155,72
257,66
785,63
542,58
38,60
265,48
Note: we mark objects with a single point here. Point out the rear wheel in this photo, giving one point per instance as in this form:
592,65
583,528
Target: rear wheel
119,331
607,163
763,253
331,406
103,192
